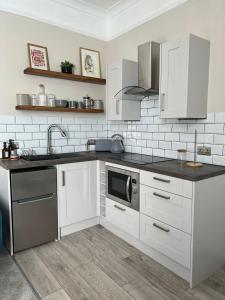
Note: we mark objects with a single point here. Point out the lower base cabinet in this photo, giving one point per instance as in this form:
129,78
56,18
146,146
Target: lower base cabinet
123,217
171,242
77,192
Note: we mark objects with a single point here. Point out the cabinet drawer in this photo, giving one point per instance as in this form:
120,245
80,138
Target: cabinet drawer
166,207
123,217
167,183
171,242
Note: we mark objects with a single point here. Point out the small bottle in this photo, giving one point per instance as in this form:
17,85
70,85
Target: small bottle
10,146
5,151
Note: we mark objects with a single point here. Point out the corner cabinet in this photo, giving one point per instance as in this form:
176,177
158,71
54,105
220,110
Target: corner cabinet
184,78
121,74
77,195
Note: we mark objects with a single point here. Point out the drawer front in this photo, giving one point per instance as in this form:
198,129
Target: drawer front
166,207
123,217
167,183
171,242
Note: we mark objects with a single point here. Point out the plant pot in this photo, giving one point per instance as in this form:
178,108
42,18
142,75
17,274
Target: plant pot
68,70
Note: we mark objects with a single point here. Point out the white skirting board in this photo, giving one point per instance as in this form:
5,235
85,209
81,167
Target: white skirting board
79,226
157,256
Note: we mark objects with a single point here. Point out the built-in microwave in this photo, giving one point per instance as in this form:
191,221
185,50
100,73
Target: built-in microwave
123,186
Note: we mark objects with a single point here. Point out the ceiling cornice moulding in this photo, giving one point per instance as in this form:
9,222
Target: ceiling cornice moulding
88,19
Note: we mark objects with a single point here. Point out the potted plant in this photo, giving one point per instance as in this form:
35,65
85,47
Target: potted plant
67,67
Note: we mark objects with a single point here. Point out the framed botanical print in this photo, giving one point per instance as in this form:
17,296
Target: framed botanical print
90,63
38,57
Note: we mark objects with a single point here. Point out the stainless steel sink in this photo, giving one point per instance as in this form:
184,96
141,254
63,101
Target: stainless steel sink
49,156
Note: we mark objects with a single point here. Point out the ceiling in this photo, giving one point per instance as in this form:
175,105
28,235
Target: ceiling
102,19
103,5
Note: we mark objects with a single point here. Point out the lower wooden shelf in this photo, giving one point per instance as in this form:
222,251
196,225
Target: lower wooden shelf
58,109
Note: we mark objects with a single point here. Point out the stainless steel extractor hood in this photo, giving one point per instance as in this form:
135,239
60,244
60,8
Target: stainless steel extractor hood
148,74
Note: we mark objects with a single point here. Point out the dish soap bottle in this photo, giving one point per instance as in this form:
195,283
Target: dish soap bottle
5,151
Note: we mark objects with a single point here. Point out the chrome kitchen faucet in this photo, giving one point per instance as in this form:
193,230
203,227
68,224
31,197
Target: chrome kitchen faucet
63,134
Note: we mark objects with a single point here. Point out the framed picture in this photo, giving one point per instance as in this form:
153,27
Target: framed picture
90,63
38,57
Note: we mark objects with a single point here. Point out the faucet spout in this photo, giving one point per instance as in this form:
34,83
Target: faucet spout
49,146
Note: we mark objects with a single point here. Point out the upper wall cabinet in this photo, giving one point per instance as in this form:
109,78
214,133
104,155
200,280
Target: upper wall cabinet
120,74
184,78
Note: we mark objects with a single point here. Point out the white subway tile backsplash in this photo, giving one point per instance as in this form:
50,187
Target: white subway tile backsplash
151,135
179,128
21,136
220,118
214,128
15,128
7,120
31,128
219,139
175,137
165,145
205,138
187,137
2,128
158,136
199,127
152,144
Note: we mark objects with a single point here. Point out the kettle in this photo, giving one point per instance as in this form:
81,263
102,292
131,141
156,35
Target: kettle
117,143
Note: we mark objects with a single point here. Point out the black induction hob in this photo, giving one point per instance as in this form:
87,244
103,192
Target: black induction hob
140,159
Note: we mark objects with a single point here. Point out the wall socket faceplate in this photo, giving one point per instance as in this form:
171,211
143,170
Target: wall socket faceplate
202,150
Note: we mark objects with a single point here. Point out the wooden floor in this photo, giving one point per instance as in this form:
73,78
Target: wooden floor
95,264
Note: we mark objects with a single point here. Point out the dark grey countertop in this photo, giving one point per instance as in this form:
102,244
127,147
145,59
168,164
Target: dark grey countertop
170,167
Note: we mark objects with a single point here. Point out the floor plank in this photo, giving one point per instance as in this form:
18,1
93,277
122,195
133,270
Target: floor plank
101,283
205,292
141,290
59,295
37,273
65,273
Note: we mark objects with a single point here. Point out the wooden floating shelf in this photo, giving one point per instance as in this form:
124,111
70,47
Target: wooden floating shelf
66,76
58,109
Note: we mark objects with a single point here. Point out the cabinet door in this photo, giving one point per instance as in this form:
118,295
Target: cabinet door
77,192
174,79
114,85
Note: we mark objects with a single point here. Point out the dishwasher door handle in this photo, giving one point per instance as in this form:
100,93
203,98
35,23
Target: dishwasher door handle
27,201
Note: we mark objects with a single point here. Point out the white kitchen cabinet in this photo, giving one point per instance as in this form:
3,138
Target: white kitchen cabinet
184,78
166,239
123,217
77,192
166,207
120,74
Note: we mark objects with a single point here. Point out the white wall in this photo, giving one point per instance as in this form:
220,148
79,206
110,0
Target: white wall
15,33
201,17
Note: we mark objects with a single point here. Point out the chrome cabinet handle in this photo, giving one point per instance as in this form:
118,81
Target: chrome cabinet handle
117,107
162,180
63,178
160,227
161,196
162,104
120,208
127,188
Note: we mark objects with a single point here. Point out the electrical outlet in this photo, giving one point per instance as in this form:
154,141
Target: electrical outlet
202,150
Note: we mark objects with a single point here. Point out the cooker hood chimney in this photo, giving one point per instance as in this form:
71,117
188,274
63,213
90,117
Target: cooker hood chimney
148,74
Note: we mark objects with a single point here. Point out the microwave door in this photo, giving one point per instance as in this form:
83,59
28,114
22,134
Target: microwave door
119,186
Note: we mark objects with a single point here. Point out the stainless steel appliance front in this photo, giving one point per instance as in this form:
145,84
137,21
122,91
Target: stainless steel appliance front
34,207
123,186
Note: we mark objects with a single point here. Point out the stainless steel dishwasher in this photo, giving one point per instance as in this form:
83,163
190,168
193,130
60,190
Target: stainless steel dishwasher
34,207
